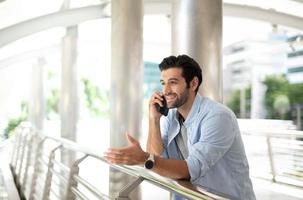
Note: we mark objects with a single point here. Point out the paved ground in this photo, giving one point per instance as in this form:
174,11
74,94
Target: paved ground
266,190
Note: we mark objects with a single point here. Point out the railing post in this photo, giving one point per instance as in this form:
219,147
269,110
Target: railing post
49,173
271,159
71,181
18,170
124,193
72,191
16,148
27,162
36,166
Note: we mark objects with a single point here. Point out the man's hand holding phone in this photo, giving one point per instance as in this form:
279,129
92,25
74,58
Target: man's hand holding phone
157,105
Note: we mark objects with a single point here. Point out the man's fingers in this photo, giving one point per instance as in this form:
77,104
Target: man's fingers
131,139
157,96
115,156
116,151
117,159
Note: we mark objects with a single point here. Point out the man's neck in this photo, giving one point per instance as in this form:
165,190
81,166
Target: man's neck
185,108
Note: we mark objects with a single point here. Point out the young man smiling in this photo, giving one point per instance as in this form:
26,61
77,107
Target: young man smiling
199,140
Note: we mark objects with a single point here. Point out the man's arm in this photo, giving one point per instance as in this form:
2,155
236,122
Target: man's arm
154,141
134,155
175,169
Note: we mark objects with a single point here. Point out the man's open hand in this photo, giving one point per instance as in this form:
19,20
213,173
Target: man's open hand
130,155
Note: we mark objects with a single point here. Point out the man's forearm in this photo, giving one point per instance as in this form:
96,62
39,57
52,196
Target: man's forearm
175,169
154,141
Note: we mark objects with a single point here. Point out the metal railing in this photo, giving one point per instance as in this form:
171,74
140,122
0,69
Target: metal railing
275,154
39,174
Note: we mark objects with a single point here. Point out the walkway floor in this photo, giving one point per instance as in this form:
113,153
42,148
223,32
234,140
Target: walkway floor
266,190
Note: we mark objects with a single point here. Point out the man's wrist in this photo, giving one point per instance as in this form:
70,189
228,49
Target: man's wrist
145,157
150,162
154,120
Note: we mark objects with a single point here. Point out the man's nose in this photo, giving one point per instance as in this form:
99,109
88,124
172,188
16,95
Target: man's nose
166,89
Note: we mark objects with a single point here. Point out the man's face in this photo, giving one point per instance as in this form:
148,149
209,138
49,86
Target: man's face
175,88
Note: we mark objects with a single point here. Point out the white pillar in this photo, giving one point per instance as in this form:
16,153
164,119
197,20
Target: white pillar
258,109
197,31
127,69
37,103
243,102
69,88
126,77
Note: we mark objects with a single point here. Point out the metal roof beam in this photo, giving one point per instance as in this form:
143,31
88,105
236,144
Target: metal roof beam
235,10
76,16
266,15
59,19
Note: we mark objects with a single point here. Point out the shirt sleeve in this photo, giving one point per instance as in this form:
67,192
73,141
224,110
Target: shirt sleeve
217,135
164,125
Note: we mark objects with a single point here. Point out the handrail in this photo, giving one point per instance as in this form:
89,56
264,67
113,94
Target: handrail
274,133
20,168
279,154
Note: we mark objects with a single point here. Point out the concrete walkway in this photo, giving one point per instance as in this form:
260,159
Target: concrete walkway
266,190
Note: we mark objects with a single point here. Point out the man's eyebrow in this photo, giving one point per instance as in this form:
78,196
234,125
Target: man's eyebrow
173,79
170,79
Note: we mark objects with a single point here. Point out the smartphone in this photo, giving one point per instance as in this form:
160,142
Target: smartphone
164,109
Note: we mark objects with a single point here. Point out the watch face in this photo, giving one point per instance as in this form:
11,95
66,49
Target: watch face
149,164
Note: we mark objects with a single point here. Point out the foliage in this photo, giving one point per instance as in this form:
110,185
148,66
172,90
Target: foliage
275,86
296,94
14,122
234,103
280,90
281,105
53,104
96,99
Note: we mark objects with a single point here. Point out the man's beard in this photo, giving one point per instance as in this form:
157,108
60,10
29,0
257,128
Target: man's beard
181,100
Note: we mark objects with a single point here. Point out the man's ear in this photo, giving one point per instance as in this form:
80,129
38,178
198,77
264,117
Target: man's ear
194,83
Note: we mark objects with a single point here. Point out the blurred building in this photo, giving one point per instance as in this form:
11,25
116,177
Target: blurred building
295,59
151,79
248,62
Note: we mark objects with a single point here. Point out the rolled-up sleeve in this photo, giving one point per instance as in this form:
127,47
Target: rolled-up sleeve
217,136
164,125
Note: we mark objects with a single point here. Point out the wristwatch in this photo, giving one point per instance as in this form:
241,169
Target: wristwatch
150,162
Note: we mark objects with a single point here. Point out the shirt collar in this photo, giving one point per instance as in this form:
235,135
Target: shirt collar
173,115
194,110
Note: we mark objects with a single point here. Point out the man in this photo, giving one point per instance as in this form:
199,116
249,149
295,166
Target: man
198,135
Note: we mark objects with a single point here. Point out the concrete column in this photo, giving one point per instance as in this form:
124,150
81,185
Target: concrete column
69,88
197,31
37,103
126,77
243,102
258,109
299,123
127,69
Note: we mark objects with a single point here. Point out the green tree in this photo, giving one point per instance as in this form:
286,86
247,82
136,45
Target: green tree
279,93
234,102
96,99
276,86
296,94
14,122
52,107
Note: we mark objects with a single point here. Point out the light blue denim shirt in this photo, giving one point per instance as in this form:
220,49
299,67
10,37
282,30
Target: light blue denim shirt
216,159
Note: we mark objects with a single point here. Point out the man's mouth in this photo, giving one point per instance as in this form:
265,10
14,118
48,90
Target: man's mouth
170,98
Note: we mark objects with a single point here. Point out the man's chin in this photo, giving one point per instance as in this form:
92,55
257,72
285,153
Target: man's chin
171,106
